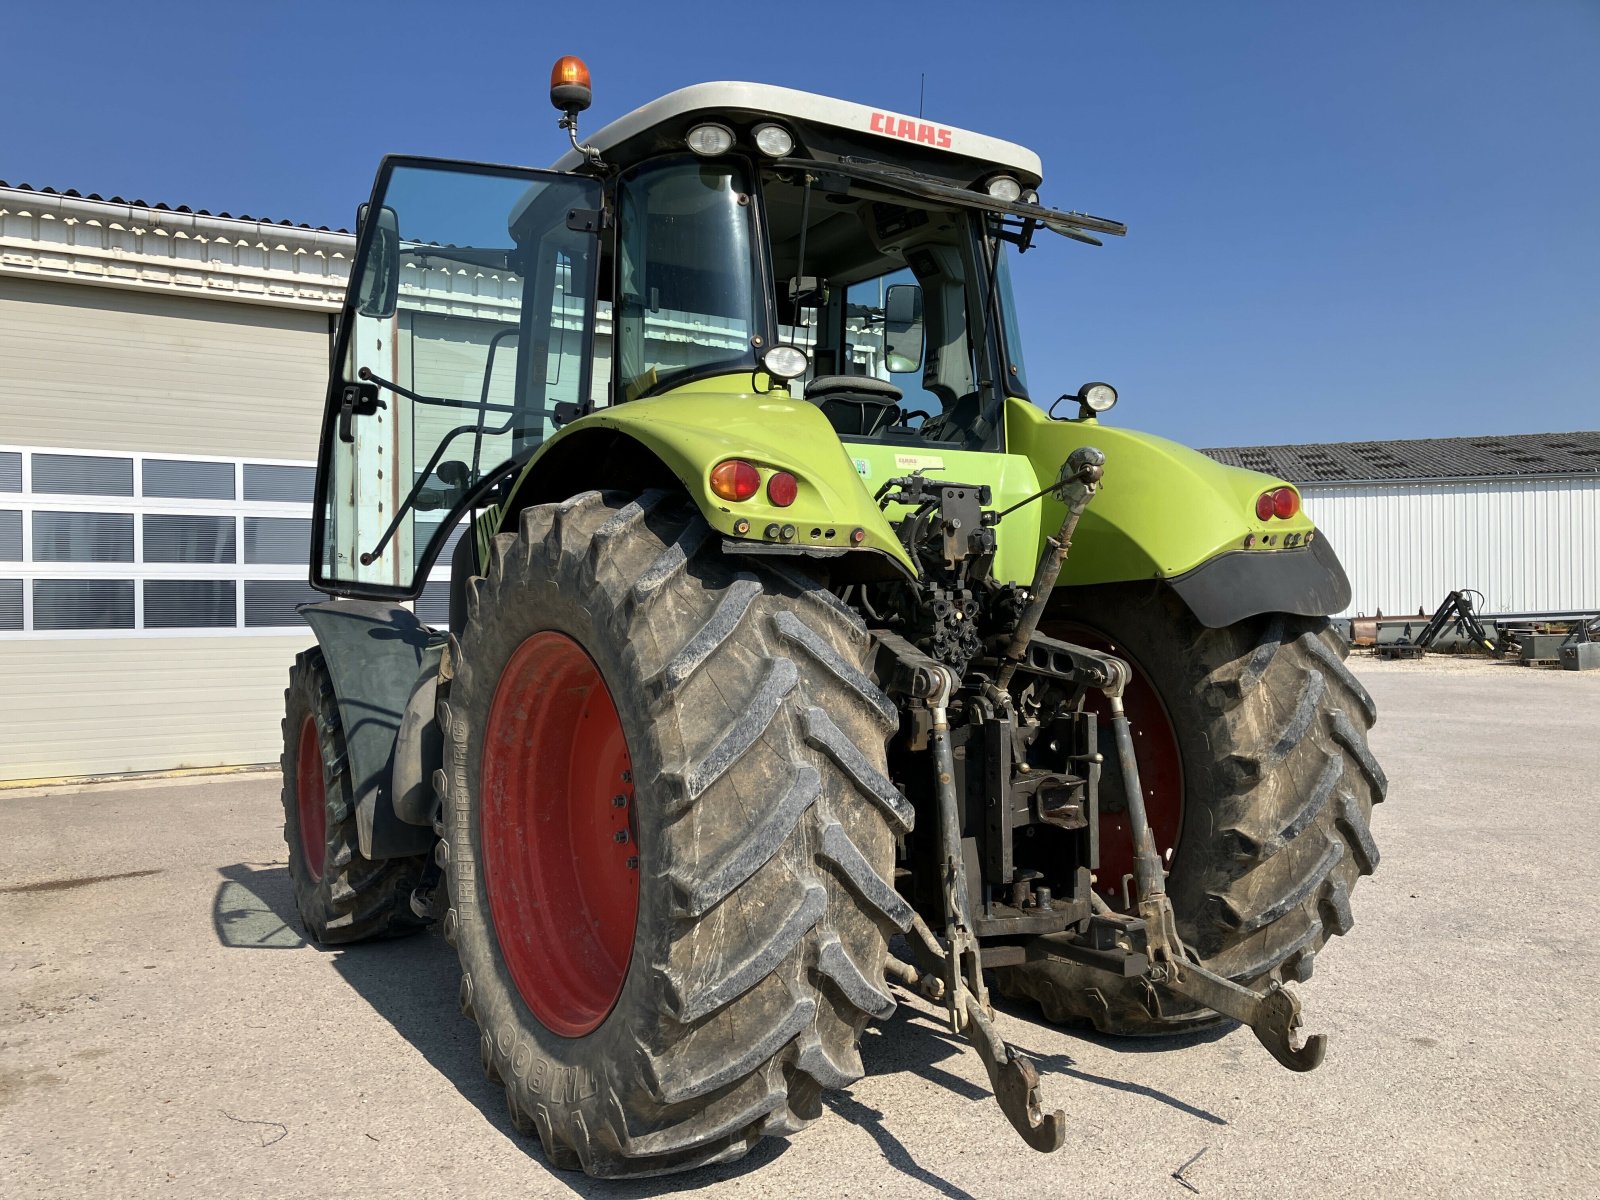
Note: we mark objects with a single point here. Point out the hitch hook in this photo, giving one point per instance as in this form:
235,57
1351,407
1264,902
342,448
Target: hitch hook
1015,1081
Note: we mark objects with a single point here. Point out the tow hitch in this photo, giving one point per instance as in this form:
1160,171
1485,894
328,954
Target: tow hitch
1274,1015
1144,944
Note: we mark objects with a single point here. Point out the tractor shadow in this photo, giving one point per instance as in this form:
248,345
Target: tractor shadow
412,984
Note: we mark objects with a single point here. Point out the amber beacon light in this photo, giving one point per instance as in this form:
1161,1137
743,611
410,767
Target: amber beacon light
569,84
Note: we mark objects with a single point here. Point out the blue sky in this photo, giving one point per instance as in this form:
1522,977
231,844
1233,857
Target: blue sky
1347,220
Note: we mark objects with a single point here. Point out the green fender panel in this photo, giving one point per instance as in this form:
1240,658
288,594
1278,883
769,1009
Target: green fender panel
1163,509
693,428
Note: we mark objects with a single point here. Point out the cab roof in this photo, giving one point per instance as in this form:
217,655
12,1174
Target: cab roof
824,128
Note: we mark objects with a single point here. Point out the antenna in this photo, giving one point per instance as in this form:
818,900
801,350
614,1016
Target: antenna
922,93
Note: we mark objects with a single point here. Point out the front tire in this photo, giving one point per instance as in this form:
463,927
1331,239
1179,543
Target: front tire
1272,789
756,814
342,896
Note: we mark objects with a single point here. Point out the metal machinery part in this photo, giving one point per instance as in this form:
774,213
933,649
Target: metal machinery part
997,744
1457,607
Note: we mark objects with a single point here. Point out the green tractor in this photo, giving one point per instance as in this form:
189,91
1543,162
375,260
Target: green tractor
765,646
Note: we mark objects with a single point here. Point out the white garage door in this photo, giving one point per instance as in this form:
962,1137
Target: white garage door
155,479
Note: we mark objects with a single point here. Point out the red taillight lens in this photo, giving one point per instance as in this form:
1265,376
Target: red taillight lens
735,479
782,488
1282,503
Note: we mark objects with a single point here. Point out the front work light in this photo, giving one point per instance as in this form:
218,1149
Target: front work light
785,362
710,140
773,140
1097,397
1003,187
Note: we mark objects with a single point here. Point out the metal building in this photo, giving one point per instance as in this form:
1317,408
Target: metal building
1516,517
161,383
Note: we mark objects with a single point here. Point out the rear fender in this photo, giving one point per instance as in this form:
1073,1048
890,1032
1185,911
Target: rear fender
688,431
1169,513
378,656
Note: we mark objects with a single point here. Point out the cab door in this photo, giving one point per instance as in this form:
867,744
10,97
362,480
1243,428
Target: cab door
465,339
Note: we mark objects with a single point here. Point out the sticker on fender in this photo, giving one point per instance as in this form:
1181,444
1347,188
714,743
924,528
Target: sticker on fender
919,462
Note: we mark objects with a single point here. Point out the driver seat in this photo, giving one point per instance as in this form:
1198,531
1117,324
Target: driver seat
855,405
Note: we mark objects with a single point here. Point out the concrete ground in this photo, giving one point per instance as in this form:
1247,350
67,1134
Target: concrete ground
164,1029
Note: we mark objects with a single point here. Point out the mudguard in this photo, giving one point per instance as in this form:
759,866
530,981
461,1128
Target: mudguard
376,654
1166,512
692,428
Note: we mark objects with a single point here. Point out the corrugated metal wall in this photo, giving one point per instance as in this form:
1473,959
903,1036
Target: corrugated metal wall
1529,545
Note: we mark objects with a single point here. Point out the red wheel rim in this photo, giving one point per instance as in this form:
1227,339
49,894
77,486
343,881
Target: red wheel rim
560,864
311,800
1155,749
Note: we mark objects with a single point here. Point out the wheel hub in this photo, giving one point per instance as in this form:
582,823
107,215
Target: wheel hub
1155,749
311,799
561,866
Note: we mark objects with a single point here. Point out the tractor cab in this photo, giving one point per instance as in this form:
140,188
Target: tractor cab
726,237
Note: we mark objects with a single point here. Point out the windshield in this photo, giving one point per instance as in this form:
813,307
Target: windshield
894,298
686,282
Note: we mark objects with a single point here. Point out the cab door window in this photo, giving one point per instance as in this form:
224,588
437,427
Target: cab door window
465,337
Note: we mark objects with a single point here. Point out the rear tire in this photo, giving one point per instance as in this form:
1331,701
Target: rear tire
342,897
761,817
1278,788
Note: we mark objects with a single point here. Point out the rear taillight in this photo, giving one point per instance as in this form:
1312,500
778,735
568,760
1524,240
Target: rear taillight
1282,503
735,479
782,488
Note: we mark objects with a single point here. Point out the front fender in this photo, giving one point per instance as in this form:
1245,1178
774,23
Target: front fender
693,428
1166,512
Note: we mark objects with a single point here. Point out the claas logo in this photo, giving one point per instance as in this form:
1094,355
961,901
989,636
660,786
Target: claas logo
911,131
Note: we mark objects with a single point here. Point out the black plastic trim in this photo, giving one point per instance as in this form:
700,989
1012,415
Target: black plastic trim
1308,582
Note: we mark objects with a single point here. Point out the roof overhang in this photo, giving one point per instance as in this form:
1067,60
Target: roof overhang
824,127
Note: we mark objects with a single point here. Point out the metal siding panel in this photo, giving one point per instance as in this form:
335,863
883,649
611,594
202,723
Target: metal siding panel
106,705
120,370
1529,545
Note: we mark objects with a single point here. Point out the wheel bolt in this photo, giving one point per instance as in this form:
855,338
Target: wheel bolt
619,802
621,835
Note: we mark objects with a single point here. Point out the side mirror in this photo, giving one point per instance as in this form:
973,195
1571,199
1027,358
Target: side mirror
378,289
902,328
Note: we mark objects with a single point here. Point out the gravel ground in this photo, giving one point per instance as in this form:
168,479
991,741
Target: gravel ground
164,1029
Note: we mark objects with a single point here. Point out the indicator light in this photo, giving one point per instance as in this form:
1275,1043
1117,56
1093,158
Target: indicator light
735,479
